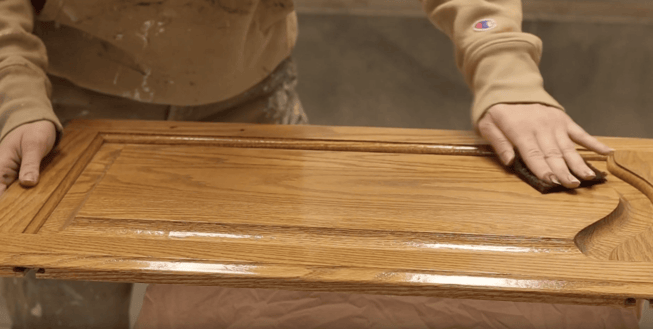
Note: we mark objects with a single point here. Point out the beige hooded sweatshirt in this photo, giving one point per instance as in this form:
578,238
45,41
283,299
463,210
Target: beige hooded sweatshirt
192,52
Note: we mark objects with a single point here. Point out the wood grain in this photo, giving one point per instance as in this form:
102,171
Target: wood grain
303,144
316,133
371,281
121,259
374,210
638,164
635,168
219,232
626,234
78,193
64,186
24,205
343,190
313,132
633,216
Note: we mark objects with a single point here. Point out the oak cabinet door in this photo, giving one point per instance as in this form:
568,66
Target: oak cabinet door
370,210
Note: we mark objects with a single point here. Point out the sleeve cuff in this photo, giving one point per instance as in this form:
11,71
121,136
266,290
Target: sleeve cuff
24,99
26,116
507,72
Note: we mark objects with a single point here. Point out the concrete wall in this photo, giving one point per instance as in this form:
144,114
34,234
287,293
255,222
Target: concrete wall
400,72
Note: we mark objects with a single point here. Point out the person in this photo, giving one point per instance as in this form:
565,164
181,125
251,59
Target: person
230,60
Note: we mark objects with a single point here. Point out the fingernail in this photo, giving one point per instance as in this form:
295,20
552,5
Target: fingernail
573,179
554,179
30,178
508,160
590,174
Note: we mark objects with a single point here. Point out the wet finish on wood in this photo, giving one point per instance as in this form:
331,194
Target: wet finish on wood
26,204
628,235
387,211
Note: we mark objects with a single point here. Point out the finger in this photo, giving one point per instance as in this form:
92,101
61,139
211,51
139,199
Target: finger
534,158
8,165
502,146
581,137
33,151
574,161
8,174
555,160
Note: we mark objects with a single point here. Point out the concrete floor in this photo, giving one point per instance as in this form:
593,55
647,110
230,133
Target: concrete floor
400,72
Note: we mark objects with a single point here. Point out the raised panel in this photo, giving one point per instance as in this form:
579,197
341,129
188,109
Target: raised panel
324,189
392,211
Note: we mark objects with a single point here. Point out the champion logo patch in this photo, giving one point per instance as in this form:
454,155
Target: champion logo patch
485,24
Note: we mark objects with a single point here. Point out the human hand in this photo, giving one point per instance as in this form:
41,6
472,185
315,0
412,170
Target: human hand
544,136
22,150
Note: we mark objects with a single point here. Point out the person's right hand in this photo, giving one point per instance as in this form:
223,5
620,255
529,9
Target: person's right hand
22,150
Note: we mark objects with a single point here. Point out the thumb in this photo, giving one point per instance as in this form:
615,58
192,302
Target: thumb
33,150
502,146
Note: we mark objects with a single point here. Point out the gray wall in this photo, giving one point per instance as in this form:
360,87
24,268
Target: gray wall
400,72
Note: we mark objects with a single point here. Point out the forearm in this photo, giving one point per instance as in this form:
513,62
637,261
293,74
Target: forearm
24,86
499,64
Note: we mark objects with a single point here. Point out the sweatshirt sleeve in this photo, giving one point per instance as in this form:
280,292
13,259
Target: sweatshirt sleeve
24,87
498,60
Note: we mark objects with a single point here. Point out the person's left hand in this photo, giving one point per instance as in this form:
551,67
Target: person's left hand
544,136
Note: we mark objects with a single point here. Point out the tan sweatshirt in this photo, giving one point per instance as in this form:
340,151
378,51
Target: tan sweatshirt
183,52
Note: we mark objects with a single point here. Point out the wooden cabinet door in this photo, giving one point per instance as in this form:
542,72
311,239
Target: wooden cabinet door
369,210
